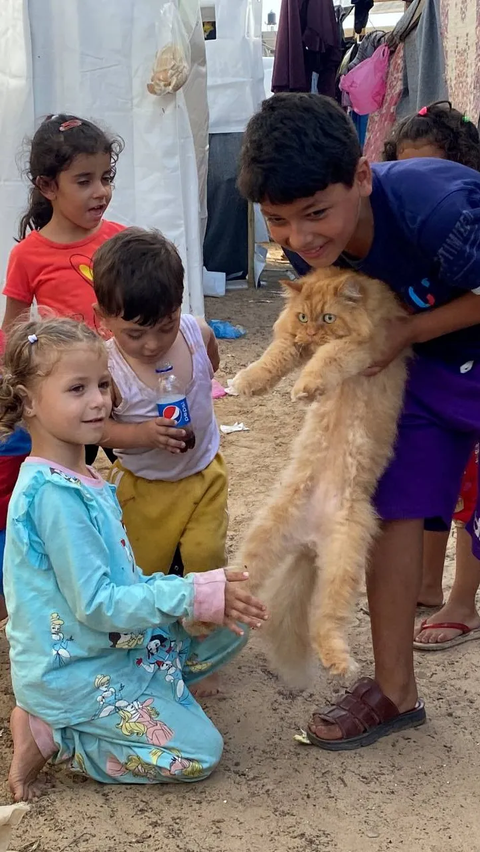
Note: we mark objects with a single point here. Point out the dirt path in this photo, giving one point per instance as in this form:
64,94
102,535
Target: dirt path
416,792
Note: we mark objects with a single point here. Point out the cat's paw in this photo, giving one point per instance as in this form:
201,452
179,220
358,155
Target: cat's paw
198,628
307,388
248,382
338,662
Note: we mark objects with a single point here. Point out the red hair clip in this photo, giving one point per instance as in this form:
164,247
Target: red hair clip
67,125
423,111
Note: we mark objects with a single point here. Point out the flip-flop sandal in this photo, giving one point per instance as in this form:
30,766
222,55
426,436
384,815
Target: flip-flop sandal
468,634
364,715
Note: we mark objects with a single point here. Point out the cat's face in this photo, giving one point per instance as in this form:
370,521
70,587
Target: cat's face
325,305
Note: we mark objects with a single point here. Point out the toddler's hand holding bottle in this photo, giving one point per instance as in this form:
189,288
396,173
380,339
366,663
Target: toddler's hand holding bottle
159,433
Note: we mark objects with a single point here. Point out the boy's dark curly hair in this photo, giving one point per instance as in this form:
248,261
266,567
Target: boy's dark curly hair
297,145
441,125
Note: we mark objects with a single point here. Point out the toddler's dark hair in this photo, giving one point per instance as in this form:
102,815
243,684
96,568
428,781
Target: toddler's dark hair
138,275
296,145
52,150
441,125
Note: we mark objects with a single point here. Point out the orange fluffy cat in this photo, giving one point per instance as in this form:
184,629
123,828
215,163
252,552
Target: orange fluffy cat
307,549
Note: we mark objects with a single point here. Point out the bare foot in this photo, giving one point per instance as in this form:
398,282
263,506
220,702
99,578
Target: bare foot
208,687
448,613
27,760
430,596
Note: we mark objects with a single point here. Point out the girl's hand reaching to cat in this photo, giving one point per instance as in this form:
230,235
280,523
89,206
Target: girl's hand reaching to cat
399,336
240,605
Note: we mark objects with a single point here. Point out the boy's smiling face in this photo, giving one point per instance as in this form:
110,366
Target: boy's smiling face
323,226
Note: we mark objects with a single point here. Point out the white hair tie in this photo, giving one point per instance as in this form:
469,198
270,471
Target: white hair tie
32,338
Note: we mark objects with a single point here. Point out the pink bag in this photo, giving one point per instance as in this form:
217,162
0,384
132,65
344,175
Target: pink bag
366,84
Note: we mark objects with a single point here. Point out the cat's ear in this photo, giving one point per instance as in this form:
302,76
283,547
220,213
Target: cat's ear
351,290
289,284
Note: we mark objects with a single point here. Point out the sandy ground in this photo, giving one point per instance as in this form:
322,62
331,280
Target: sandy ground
418,791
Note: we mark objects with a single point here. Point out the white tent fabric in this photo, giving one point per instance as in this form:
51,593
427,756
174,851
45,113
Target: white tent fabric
235,66
235,91
95,59
16,116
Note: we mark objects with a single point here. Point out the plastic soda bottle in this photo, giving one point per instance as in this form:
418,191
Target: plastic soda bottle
172,403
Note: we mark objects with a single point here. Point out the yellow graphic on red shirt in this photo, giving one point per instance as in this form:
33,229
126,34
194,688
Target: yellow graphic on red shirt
83,265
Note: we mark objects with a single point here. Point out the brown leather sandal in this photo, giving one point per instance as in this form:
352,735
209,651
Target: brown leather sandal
364,715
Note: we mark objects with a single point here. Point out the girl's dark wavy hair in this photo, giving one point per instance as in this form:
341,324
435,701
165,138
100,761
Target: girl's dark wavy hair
441,125
51,151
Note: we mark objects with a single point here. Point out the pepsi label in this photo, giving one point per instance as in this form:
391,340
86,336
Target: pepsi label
177,411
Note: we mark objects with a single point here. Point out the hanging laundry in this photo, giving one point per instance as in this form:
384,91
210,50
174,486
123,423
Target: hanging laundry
461,40
381,122
308,41
361,123
366,83
341,14
424,63
358,53
366,48
362,11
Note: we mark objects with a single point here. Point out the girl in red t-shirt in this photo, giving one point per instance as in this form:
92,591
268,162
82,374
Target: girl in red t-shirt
71,167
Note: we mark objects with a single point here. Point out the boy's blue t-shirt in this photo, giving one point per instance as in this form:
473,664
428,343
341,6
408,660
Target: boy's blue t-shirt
426,244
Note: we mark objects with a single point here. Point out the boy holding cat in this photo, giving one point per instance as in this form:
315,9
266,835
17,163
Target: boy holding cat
415,225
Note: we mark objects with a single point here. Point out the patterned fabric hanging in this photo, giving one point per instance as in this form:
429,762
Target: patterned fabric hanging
381,122
461,39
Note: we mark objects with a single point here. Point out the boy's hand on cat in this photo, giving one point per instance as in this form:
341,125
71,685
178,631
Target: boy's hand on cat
399,336
161,434
249,381
240,605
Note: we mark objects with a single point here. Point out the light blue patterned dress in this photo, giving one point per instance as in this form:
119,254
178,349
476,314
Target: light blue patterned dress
97,649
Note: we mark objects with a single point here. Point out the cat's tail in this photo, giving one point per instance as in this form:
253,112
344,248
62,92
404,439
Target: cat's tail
287,594
344,554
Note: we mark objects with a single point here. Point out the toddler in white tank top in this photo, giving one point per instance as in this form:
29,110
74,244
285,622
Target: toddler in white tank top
174,502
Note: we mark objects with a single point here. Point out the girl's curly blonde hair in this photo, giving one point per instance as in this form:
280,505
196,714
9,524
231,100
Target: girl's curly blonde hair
33,348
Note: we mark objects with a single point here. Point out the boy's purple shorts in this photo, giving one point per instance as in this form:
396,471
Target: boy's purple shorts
438,429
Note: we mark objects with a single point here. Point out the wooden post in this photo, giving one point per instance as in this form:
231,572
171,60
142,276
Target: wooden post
251,245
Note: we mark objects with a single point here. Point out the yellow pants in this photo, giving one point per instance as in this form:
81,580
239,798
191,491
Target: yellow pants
160,515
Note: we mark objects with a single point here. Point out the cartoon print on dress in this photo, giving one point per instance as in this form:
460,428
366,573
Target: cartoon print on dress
128,550
126,641
417,300
60,651
179,766
195,666
137,718
139,768
167,656
78,763
140,718
72,479
110,700
183,766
